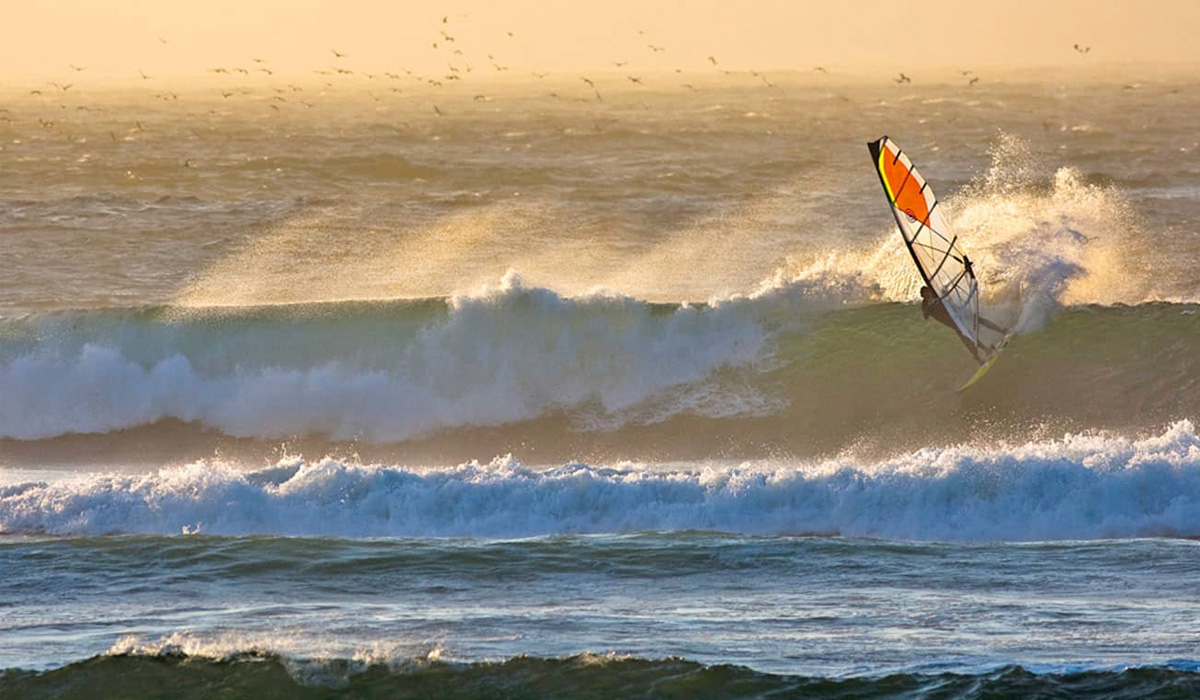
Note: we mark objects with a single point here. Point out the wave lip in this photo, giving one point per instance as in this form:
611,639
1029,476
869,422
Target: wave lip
1079,487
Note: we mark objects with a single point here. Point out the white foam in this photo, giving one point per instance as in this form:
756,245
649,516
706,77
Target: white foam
1079,487
502,354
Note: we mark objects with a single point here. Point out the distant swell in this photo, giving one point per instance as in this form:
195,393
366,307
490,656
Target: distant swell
1080,487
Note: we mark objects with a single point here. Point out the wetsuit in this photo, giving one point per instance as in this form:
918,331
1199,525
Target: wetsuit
932,307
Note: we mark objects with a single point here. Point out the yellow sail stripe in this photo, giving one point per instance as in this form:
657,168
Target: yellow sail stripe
883,174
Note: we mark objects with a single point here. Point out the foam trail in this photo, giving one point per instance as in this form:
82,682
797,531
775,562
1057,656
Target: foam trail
1079,487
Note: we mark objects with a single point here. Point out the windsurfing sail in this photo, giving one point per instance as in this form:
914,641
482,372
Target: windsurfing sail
935,248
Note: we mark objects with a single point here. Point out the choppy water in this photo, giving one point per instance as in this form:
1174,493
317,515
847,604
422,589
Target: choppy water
260,370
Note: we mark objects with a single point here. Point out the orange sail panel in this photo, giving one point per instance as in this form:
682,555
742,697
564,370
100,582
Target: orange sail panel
906,188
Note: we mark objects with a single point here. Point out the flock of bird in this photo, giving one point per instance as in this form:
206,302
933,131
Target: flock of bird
457,68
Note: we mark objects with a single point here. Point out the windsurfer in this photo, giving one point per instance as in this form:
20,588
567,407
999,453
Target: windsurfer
931,306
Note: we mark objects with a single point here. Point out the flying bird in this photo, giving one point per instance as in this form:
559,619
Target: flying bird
337,54
143,74
762,77
1082,49
635,80
76,68
620,64
713,60
593,86
902,79
820,69
972,81
439,112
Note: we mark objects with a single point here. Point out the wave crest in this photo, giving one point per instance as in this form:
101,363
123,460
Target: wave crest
1079,487
503,354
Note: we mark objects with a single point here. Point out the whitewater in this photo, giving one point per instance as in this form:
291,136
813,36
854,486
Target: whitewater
597,399
1081,487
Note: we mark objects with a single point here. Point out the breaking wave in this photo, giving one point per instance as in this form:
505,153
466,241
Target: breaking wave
1078,487
1056,254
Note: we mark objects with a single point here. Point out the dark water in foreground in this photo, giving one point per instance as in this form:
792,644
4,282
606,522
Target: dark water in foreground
266,676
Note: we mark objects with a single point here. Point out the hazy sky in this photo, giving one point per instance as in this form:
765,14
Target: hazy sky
116,38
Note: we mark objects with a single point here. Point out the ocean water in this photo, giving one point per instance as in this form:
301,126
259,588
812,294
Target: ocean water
542,396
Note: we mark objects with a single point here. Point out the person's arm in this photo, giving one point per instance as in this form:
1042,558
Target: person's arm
988,324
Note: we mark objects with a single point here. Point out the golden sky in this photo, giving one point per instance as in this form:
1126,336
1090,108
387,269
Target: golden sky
176,38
